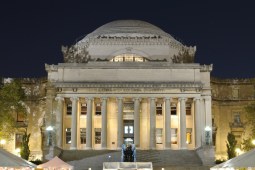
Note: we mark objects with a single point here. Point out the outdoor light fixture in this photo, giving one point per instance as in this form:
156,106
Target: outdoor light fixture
2,143
49,129
253,141
207,135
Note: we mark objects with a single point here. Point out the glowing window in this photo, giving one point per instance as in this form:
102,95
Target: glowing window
128,58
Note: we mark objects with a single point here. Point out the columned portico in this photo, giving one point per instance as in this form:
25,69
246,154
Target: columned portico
120,123
74,123
89,123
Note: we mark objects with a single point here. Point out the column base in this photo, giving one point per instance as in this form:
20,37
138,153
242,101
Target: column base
73,148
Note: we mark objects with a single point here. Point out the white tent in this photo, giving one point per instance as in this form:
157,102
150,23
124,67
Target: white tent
243,161
11,161
55,164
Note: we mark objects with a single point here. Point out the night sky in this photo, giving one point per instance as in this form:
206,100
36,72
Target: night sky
32,32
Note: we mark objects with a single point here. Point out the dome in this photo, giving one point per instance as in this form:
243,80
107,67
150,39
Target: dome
127,28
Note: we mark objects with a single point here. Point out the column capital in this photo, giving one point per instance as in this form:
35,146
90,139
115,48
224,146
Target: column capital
137,98
104,98
196,99
59,98
89,98
182,98
74,98
119,98
168,98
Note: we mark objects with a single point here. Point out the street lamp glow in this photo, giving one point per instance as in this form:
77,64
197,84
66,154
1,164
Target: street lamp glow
2,142
253,141
238,150
207,128
49,128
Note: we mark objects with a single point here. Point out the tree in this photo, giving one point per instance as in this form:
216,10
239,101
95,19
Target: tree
24,151
250,116
231,145
11,97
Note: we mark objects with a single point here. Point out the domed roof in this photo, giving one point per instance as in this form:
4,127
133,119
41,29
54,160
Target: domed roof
127,28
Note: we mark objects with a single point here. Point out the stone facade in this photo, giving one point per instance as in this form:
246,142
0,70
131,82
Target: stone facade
130,82
229,99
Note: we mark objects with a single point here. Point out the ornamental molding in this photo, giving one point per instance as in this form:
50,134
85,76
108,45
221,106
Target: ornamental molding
135,85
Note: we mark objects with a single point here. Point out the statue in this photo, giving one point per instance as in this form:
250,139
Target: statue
73,55
128,153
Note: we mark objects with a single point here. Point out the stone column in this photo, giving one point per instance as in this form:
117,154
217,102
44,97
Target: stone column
202,123
89,123
137,122
198,132
183,123
208,116
152,124
104,123
167,123
120,123
74,123
59,121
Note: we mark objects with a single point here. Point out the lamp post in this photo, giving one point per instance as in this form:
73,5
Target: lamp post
49,129
207,135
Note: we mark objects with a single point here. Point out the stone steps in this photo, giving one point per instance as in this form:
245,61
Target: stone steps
84,159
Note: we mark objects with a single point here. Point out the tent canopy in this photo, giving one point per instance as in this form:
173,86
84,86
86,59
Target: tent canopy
8,159
246,160
55,163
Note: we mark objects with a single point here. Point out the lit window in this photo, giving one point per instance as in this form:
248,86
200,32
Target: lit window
68,135
188,135
159,135
188,109
83,135
69,109
159,109
83,109
20,117
173,109
98,109
128,129
18,140
97,135
174,135
128,58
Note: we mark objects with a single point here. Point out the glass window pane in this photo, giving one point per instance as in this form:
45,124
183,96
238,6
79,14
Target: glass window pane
131,130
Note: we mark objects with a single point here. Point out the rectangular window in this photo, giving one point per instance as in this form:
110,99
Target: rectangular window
69,108
83,109
174,135
159,134
21,117
173,109
83,135
97,135
188,135
235,93
98,109
159,109
188,109
68,135
18,140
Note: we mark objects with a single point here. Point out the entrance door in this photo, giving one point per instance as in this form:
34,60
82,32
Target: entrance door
128,132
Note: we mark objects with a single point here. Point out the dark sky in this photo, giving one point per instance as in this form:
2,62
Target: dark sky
32,32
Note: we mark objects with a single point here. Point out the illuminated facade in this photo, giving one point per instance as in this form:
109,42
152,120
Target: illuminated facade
129,82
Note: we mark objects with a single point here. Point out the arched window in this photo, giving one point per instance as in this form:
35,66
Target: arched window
128,58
